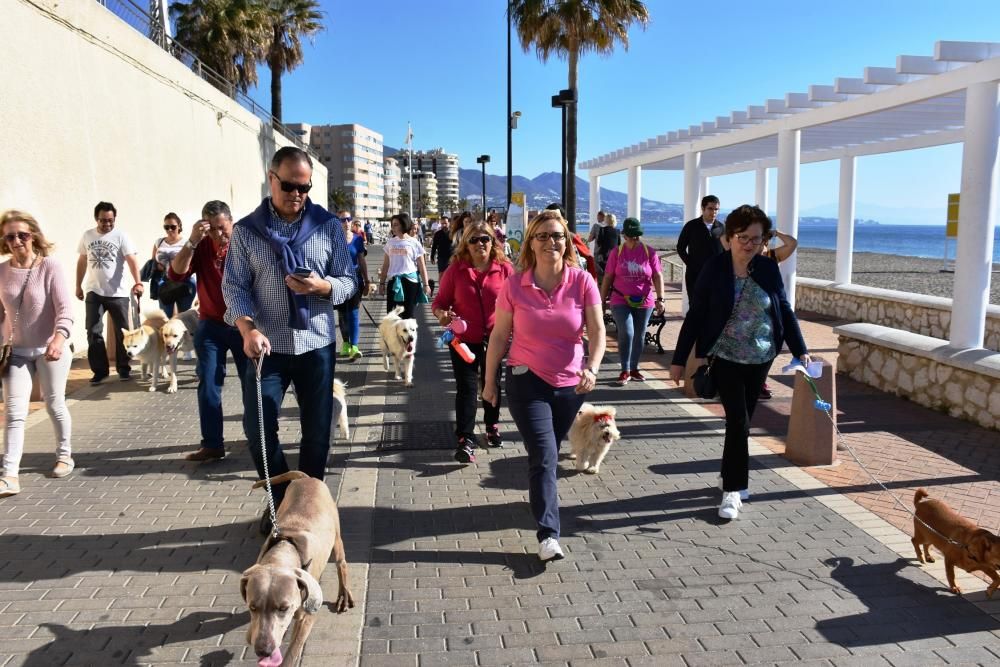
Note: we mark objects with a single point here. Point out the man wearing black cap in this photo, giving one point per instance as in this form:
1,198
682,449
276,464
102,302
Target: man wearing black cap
699,240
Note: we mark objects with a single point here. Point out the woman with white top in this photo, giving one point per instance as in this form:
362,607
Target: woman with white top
403,276
36,317
169,293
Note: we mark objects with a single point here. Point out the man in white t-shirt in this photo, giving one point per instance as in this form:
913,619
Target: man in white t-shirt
104,254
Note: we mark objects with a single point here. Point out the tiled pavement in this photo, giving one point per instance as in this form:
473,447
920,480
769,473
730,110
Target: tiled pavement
135,559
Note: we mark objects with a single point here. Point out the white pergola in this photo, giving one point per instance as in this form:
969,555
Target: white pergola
950,97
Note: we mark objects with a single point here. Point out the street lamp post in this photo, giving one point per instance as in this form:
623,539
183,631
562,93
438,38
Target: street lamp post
511,123
561,101
483,159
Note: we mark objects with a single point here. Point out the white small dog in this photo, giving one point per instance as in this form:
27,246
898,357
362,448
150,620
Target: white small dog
178,336
398,338
340,408
590,437
145,344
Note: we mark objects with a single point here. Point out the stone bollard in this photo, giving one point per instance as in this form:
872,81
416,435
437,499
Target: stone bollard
692,365
811,436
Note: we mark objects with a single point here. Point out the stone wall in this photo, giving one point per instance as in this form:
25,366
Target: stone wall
963,383
916,313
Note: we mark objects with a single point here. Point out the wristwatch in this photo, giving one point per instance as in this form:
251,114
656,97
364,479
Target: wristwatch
188,244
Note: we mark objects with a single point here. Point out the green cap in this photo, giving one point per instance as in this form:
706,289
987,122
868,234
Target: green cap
631,227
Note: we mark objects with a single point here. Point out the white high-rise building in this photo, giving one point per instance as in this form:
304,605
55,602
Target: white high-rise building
353,157
392,177
425,192
444,166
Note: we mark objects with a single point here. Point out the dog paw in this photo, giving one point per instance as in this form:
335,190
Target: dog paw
572,456
956,589
592,470
152,387
172,389
408,383
929,559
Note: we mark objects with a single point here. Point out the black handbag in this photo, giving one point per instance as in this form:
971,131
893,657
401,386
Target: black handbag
147,271
704,382
172,291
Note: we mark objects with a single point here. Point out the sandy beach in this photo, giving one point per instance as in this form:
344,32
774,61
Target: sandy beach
898,272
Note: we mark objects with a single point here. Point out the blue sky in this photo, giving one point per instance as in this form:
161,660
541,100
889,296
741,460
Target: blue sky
441,64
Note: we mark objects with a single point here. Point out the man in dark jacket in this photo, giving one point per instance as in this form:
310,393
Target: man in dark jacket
700,240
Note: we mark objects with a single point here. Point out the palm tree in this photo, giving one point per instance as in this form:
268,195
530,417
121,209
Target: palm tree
288,21
339,200
225,35
571,28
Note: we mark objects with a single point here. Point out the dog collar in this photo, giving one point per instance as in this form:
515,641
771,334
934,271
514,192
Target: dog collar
602,419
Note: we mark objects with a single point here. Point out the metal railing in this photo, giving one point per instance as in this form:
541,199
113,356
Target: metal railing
140,19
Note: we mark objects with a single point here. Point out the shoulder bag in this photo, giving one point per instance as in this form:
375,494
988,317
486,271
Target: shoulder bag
7,350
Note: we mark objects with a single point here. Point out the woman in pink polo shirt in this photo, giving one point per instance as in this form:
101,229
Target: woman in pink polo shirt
469,289
544,308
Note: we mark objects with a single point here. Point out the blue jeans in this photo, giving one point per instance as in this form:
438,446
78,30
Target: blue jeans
312,373
211,341
543,415
350,324
631,325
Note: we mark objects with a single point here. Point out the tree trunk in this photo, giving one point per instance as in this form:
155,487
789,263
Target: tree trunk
574,56
275,91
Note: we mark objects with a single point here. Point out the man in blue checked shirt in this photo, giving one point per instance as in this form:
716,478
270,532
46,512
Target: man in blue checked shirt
286,271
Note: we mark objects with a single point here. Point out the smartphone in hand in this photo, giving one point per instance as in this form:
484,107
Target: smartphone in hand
302,271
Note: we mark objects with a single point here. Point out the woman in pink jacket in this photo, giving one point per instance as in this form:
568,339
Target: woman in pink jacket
469,289
36,318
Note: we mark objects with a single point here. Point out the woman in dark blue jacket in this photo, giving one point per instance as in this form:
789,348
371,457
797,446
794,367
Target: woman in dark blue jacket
739,319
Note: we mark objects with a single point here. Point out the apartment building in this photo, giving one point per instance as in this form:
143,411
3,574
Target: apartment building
391,177
352,155
444,166
425,192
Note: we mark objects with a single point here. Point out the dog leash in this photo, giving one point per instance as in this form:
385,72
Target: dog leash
827,408
258,363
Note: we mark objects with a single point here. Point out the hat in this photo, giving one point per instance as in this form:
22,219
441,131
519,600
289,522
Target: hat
631,227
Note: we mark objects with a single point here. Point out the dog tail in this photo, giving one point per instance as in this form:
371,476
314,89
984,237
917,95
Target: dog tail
397,310
920,495
280,479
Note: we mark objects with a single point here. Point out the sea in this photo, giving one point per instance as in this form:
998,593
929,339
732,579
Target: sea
908,240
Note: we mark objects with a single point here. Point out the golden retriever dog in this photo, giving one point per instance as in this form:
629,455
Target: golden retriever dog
340,408
963,544
145,344
178,336
590,437
282,589
398,340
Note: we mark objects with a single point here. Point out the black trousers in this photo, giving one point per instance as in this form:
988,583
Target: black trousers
469,382
97,350
411,294
739,387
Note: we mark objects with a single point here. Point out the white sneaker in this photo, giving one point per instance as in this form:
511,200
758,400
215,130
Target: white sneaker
549,549
744,494
731,505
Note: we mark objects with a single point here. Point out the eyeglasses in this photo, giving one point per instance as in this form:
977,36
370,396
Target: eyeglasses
302,188
752,240
23,237
346,219
480,240
558,237
170,228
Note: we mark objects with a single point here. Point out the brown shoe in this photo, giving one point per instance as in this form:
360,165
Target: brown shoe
206,454
63,468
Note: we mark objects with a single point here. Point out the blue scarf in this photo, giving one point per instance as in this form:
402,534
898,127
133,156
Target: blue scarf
289,251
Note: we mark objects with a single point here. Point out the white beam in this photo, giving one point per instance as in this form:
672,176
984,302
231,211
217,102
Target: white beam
970,52
760,187
704,187
845,222
595,197
692,163
976,215
789,142
634,207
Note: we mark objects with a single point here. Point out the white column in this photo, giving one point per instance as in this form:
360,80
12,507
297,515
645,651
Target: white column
692,162
789,142
595,198
760,189
704,185
976,215
845,222
634,208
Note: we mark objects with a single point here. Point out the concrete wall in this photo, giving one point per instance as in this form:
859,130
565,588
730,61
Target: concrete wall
92,110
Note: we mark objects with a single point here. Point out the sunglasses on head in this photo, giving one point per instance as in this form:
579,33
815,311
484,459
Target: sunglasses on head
302,188
477,240
170,228
23,237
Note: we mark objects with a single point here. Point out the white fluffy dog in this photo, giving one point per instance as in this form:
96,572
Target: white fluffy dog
590,437
398,339
178,336
340,408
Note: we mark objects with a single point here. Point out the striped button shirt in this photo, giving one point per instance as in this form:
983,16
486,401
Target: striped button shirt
253,284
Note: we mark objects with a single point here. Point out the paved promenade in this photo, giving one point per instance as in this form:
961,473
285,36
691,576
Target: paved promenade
136,558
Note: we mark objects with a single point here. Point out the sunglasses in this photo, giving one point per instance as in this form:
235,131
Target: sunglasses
545,236
477,240
347,219
23,237
170,228
302,188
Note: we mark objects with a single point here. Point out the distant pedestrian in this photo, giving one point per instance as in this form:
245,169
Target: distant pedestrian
608,238
739,319
204,255
596,227
105,252
699,241
36,318
173,295
369,232
542,310
348,313
441,246
469,289
287,268
632,276
403,276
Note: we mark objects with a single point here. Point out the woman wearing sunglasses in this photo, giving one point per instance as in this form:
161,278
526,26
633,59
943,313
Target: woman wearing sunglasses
739,319
170,293
545,308
36,317
469,289
403,276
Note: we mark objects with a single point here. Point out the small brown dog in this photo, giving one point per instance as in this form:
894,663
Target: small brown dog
283,589
590,437
973,549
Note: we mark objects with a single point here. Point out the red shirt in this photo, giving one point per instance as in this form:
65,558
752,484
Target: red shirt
473,296
207,262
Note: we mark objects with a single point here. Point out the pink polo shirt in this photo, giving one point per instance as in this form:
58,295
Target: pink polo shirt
548,330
